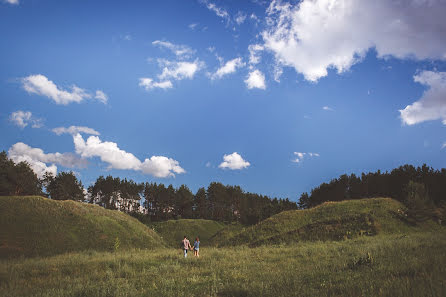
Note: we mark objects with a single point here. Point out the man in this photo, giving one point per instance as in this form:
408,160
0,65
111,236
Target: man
186,245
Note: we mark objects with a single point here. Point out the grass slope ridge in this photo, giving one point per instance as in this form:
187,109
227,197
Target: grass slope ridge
328,221
37,226
173,231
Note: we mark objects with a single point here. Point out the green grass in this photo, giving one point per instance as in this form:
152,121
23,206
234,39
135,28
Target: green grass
173,231
37,226
329,221
411,264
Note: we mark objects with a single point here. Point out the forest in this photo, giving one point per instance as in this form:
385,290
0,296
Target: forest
417,187
159,202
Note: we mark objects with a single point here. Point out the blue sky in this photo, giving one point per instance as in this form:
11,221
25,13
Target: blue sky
276,97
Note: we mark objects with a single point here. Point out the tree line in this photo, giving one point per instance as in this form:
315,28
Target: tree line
398,184
216,202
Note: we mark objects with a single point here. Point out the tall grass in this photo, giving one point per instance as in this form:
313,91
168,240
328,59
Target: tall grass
411,264
37,226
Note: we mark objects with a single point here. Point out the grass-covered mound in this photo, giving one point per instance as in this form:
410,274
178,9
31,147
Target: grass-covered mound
173,231
328,221
37,226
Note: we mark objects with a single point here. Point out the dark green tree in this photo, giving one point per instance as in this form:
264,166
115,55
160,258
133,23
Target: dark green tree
64,186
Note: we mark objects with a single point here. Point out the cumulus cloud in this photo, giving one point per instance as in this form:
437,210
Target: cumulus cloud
179,70
15,2
160,166
109,152
314,35
24,118
234,162
41,85
432,104
101,96
73,130
255,79
38,160
179,50
327,108
149,84
228,68
300,156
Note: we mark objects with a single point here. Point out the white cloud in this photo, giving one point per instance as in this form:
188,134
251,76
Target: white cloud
101,96
444,145
117,158
432,104
300,156
234,162
179,70
193,26
327,108
160,166
181,51
16,2
255,79
240,18
73,130
230,67
220,12
254,57
40,85
314,35
149,84
38,160
24,118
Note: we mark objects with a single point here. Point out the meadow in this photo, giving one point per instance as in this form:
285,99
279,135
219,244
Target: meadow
361,247
385,265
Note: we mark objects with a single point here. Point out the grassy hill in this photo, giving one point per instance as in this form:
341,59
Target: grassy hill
37,226
328,221
173,231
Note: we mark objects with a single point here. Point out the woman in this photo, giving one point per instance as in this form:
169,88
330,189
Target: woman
197,247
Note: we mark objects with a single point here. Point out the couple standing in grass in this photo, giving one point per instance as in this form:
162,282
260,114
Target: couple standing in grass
186,246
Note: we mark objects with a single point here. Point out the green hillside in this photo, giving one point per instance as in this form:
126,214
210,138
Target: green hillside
173,231
37,226
329,221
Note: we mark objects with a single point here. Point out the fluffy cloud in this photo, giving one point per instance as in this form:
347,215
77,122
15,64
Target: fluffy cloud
255,79
234,162
432,105
314,35
12,1
149,84
24,118
327,108
230,67
38,160
179,50
73,130
179,70
41,85
300,156
101,96
160,166
110,153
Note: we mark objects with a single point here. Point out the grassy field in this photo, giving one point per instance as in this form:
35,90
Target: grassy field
37,226
173,231
329,221
384,265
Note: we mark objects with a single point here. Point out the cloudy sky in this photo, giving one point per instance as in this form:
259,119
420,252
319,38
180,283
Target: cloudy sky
273,96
